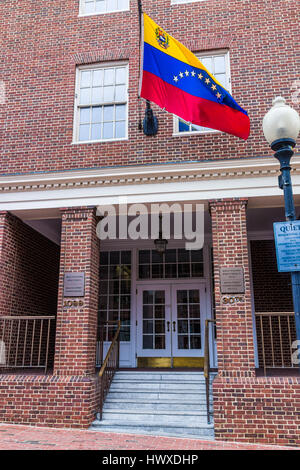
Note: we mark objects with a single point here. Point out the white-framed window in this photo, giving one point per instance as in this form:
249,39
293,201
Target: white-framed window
96,7
101,103
217,63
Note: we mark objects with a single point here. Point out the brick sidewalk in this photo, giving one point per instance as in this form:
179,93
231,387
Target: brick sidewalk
18,437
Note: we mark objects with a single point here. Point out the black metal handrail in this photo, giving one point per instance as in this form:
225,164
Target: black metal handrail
110,365
207,366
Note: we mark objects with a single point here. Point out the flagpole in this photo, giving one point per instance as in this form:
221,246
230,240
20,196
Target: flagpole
150,123
140,9
140,16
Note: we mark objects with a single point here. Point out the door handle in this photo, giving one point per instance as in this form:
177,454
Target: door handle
174,325
168,326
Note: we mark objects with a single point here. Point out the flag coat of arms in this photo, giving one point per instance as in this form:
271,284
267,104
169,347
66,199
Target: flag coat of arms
175,79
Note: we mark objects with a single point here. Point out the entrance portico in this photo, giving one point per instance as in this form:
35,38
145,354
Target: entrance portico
161,301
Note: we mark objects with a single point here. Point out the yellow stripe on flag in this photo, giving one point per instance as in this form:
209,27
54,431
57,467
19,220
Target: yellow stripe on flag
175,48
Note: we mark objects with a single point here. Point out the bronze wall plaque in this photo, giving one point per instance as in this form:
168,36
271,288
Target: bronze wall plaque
232,281
74,284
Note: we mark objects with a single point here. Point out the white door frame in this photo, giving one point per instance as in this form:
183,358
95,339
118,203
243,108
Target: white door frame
141,352
188,352
172,285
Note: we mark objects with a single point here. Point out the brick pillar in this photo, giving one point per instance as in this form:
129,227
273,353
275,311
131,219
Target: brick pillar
234,321
7,261
75,347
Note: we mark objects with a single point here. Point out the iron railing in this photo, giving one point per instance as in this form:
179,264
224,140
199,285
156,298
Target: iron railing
276,332
26,342
110,363
207,366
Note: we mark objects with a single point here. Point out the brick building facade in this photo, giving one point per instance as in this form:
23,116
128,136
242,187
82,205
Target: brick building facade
71,140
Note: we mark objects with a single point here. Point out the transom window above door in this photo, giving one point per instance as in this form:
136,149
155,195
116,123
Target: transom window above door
101,103
94,7
173,264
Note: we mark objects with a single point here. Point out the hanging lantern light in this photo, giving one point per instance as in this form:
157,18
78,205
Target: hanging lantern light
160,243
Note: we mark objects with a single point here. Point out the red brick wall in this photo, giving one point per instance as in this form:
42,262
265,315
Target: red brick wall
272,290
76,329
233,321
43,42
265,410
29,265
28,271
48,400
272,293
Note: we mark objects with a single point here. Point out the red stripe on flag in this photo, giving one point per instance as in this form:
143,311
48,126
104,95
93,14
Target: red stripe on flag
192,109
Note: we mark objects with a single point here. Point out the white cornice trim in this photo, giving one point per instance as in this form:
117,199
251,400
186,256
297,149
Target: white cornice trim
251,178
264,166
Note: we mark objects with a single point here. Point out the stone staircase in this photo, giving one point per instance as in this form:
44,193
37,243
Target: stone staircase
157,403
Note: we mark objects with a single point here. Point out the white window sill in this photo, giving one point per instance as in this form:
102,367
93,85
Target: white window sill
102,13
123,139
183,134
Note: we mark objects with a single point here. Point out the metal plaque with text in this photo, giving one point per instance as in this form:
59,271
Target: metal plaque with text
74,284
232,281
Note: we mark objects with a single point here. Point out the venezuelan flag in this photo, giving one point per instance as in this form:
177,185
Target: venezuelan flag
175,79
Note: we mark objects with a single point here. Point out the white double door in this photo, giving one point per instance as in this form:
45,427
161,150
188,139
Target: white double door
171,319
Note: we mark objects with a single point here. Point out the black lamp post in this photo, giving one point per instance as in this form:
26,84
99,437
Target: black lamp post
281,126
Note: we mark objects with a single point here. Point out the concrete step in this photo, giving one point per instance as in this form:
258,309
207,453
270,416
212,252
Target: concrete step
139,417
112,404
157,403
156,386
169,376
199,432
182,396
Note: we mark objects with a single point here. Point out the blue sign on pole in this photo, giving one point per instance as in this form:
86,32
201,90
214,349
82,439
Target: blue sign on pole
287,242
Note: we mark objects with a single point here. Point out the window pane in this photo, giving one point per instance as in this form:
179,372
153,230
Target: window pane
85,115
219,64
89,7
195,342
85,79
120,93
207,62
108,94
108,113
96,132
120,129
112,305
84,132
96,114
97,95
222,79
112,5
120,112
109,76
98,78
148,342
85,96
148,326
108,130
100,6
122,4
183,127
121,75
